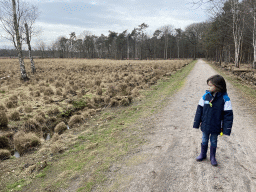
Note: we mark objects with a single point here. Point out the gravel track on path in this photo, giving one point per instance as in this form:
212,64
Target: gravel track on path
167,161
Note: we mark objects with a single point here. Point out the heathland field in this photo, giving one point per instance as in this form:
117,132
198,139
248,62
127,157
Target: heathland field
65,94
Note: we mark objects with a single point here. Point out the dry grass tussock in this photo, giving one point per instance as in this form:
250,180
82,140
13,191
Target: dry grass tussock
70,91
25,141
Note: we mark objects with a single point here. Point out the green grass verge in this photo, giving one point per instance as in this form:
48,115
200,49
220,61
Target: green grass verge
87,163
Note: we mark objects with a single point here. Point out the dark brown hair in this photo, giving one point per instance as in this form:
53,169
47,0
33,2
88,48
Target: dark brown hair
219,82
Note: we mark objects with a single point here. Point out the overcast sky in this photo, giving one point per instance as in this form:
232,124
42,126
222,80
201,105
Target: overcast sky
61,17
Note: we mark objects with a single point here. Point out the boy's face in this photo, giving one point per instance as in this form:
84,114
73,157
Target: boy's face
212,87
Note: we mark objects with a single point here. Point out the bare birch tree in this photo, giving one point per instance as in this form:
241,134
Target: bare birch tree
18,47
251,8
166,31
238,26
33,68
13,16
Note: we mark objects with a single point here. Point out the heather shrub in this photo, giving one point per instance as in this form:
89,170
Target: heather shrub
39,119
135,92
4,142
58,147
3,120
54,111
60,128
55,137
41,89
59,91
75,87
113,102
111,91
15,116
97,81
99,91
48,91
13,98
2,107
75,119
124,102
25,141
36,93
28,109
4,154
32,125
58,84
11,104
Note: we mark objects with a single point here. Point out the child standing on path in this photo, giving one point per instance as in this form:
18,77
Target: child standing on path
214,114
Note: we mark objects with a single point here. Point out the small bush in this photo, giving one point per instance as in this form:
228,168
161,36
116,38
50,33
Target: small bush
75,119
41,114
106,100
58,147
4,154
4,142
59,91
99,91
55,137
39,119
32,125
54,111
25,141
48,91
41,89
124,102
2,107
13,98
114,102
58,84
75,87
15,116
3,120
60,128
37,93
11,104
28,109
111,91
97,81
81,104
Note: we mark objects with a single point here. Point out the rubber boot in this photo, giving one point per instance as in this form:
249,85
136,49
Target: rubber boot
202,155
212,156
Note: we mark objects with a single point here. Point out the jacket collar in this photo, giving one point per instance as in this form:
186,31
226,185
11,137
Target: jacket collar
218,94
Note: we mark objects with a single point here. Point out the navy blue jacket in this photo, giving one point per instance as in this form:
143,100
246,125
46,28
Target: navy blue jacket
214,113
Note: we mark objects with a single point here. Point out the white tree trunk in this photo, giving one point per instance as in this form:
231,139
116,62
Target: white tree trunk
237,29
16,27
254,41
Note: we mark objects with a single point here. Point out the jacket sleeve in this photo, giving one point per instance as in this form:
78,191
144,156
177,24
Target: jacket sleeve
199,113
227,117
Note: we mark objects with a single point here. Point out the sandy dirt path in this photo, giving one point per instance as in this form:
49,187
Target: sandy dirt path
167,162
